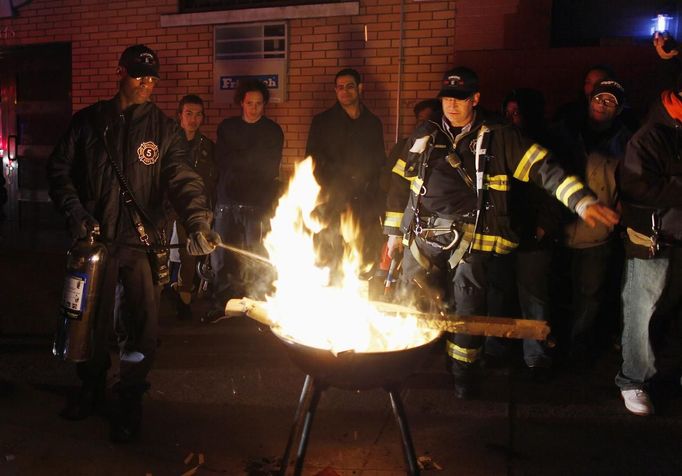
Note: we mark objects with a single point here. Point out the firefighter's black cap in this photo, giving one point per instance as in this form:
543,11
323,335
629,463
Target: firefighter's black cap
459,83
139,61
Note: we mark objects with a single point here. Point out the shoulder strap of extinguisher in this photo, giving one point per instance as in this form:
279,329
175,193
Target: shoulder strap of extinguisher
136,212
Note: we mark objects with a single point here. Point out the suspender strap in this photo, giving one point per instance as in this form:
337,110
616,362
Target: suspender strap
482,144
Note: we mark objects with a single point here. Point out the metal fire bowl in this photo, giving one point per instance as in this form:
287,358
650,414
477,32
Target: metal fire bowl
356,370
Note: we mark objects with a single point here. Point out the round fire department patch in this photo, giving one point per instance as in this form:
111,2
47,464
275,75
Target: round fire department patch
148,153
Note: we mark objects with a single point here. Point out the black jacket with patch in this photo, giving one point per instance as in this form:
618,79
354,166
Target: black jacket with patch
152,156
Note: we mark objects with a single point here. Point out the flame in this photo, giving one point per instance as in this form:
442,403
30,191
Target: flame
305,306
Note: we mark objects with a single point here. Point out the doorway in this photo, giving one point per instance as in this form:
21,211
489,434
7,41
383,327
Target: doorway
35,90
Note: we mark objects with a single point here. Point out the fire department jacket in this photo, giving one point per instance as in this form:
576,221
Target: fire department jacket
510,155
650,179
152,156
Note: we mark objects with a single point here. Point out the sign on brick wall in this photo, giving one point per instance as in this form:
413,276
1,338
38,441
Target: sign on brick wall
254,51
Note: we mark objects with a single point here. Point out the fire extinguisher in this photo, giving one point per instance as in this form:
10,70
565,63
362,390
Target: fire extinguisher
85,264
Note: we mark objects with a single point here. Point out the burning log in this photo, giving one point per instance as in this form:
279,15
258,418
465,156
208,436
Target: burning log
474,325
250,308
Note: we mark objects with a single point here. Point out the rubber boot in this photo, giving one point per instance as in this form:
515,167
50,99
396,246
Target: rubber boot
467,379
88,399
126,420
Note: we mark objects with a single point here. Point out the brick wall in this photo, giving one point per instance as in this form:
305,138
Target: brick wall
493,36
99,30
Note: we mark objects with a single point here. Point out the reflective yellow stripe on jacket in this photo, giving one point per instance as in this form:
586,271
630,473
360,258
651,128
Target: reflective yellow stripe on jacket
533,155
568,187
493,244
462,354
399,167
393,219
416,185
497,182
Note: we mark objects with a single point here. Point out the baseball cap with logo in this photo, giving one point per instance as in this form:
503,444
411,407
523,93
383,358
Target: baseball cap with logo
609,86
459,83
139,61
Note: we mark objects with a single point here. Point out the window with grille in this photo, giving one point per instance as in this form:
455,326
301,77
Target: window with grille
254,41
254,51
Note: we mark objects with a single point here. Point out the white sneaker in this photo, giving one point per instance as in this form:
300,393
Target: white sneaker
637,401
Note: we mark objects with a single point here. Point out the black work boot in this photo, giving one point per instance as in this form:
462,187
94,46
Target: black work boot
127,418
184,311
467,388
88,399
467,380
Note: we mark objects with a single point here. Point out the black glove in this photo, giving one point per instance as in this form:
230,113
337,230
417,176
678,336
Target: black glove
202,243
81,223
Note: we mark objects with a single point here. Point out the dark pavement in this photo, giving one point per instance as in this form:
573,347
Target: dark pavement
227,392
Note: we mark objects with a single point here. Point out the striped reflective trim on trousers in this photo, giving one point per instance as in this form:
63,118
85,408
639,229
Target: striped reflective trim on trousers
463,354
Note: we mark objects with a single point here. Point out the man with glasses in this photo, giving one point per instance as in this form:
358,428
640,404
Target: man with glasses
131,134
592,151
453,210
346,143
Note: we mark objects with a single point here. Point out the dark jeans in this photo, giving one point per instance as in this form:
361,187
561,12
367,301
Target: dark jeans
243,227
589,272
519,284
129,305
188,263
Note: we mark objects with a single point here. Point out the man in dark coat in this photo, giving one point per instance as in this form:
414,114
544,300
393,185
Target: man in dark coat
248,155
651,195
147,148
346,143
202,158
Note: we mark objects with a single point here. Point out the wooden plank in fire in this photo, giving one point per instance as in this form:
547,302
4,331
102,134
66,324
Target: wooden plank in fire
474,325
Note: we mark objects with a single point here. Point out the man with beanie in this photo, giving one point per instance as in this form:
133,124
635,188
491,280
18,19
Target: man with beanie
453,212
592,151
126,136
651,197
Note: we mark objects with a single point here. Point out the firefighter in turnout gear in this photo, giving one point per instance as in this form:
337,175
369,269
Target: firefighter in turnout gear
455,175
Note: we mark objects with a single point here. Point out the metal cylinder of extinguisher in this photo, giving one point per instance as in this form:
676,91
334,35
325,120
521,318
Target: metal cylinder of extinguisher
85,264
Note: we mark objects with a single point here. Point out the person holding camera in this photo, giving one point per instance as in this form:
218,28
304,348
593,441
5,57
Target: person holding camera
111,172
